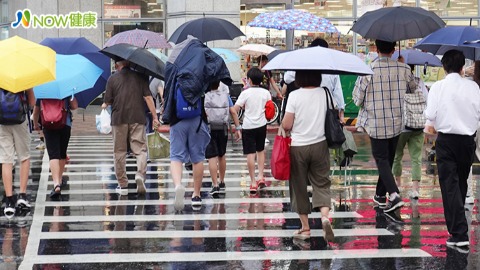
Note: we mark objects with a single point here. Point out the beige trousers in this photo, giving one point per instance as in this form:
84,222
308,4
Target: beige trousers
135,134
310,162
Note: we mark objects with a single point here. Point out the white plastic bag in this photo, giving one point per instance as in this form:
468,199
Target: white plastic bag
103,122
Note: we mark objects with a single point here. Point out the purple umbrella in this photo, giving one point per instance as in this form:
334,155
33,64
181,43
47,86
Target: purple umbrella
293,19
140,38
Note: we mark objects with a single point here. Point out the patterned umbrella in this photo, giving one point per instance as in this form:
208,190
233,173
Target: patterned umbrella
140,38
293,19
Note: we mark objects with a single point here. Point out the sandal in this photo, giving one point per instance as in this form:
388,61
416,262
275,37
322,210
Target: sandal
261,183
54,192
253,188
302,234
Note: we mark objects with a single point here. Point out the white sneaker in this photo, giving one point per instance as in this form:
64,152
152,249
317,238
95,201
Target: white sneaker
179,198
121,191
267,141
469,200
141,189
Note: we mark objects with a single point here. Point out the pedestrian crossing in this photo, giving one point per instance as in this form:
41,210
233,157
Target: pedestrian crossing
92,227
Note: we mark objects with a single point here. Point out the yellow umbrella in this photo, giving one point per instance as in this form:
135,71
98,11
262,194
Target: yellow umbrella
25,64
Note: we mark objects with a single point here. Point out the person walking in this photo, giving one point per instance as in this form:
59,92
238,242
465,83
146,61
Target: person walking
310,158
380,98
218,105
254,129
413,136
56,141
126,92
454,108
15,141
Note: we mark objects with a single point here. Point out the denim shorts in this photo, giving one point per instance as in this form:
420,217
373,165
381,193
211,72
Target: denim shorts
186,144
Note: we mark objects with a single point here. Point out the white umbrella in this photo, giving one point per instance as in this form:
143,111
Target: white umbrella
256,49
318,58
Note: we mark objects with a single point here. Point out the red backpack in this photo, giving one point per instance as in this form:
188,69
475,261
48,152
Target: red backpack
53,113
269,110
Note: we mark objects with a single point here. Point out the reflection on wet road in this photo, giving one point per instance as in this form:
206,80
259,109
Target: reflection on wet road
92,227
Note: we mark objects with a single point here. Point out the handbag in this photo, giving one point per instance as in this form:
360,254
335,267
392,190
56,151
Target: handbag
333,128
158,146
280,161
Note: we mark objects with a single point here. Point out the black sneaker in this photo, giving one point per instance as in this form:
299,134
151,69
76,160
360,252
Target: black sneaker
189,166
9,209
380,200
196,203
215,190
22,201
222,187
392,205
393,217
453,241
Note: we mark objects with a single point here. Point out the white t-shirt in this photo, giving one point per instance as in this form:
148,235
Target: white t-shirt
309,107
253,100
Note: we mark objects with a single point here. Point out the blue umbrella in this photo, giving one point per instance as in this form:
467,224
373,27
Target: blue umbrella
74,74
451,38
416,57
87,49
227,55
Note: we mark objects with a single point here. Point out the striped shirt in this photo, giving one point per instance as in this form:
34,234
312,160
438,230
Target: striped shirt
381,97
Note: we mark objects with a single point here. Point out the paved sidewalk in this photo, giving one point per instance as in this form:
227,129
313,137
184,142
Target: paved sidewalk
84,122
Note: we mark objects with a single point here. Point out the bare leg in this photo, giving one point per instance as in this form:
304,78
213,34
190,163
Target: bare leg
304,220
56,173
222,163
176,172
7,178
213,168
261,163
251,166
24,172
197,178
416,185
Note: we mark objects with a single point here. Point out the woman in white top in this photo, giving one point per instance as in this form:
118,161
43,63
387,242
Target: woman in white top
310,158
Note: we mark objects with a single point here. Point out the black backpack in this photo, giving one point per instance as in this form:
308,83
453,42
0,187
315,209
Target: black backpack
12,107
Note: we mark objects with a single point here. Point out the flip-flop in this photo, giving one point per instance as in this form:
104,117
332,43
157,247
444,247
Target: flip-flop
302,234
55,193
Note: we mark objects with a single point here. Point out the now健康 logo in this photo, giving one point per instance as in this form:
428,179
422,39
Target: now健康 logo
77,19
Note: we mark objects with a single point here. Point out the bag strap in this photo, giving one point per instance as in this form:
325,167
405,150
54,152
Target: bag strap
329,98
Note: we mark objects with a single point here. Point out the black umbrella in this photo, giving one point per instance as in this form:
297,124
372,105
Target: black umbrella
397,23
206,29
273,54
143,60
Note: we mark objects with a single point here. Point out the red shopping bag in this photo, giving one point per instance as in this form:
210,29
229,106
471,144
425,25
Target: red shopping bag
280,161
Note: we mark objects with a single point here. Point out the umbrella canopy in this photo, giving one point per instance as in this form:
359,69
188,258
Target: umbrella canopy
293,19
416,57
449,38
159,55
74,74
318,58
206,29
82,46
227,55
140,38
25,64
273,54
256,49
397,23
142,60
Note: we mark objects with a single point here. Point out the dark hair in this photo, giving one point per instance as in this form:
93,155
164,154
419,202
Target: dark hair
319,42
255,75
262,58
308,78
214,85
412,67
385,46
453,61
476,72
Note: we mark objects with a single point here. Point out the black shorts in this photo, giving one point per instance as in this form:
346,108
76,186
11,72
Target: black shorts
218,144
56,142
253,140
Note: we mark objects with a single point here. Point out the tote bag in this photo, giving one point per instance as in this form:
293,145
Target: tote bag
280,161
333,128
158,146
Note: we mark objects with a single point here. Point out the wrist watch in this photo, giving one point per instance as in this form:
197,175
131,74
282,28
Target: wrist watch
239,127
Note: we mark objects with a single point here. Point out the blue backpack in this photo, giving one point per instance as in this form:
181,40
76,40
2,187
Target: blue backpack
12,108
184,109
